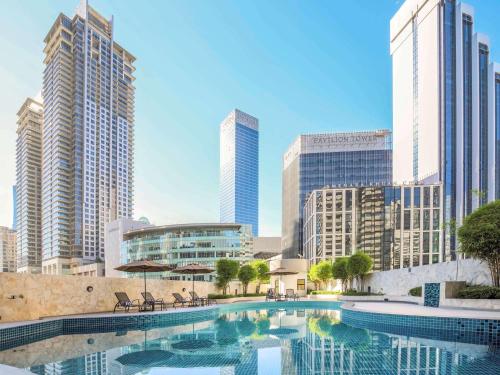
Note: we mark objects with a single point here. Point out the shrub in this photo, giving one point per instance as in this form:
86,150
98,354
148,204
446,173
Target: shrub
315,292
479,292
416,292
480,237
352,292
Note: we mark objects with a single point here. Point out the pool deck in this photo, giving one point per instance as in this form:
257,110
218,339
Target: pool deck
396,308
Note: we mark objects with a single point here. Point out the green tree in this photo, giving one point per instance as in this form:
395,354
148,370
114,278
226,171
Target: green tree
359,265
324,271
227,270
261,268
340,271
479,237
245,275
312,275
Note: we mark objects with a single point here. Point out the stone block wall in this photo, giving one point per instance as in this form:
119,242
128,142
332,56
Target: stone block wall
29,297
399,282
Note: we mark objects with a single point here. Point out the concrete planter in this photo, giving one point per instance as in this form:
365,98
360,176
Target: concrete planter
240,299
490,304
410,299
323,297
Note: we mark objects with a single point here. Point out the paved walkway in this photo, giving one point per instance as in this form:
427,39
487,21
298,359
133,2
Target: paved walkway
418,310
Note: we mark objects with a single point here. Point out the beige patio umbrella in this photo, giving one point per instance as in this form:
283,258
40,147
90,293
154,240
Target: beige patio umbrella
193,269
280,272
144,266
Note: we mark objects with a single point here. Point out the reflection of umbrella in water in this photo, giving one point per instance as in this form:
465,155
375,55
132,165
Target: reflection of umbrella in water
193,343
193,269
280,331
281,272
147,358
144,266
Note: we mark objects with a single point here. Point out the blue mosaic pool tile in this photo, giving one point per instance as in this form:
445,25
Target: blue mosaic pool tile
474,331
431,294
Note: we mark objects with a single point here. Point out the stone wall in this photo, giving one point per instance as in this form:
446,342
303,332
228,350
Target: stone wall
399,282
29,296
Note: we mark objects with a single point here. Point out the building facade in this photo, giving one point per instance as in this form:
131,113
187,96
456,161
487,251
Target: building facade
28,189
398,226
88,133
446,87
315,161
113,238
239,170
7,250
14,207
183,244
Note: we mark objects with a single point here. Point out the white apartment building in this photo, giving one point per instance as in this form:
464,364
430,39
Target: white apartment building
28,206
88,138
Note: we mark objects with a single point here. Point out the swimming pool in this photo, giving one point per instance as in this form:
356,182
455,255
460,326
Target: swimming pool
248,339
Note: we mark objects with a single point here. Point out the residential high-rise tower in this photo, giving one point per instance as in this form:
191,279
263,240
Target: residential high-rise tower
446,107
239,170
7,250
28,189
88,138
315,161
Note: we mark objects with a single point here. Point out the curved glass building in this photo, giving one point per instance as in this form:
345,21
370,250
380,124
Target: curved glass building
182,244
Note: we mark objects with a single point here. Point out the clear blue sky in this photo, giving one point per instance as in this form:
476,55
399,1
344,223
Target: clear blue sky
300,67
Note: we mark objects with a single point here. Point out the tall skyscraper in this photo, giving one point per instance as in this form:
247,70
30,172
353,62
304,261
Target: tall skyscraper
315,161
446,107
28,190
14,207
88,138
7,250
239,170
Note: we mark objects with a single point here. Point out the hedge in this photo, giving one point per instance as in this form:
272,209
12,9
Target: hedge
479,292
226,296
416,292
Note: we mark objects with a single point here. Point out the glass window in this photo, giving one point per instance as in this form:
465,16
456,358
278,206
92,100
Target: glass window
301,284
416,197
348,200
425,243
435,196
427,196
427,219
407,198
416,219
407,220
435,219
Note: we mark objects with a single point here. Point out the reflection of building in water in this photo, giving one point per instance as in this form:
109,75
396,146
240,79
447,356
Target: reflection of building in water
90,364
369,353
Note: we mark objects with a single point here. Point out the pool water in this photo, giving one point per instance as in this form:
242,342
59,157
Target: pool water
263,341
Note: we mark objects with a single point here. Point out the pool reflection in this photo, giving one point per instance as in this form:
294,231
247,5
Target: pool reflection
280,341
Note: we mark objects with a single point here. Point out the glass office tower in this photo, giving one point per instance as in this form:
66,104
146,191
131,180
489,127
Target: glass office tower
315,161
88,138
239,170
443,84
182,244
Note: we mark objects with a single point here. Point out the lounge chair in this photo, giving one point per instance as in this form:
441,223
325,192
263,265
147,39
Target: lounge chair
180,300
125,303
201,300
153,302
290,294
270,295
